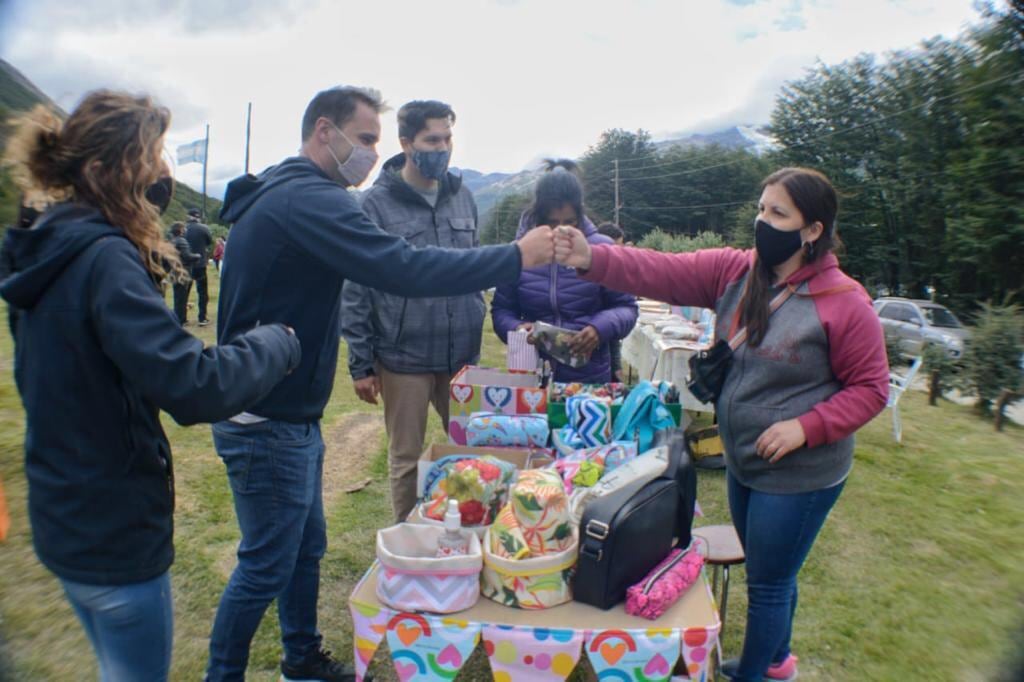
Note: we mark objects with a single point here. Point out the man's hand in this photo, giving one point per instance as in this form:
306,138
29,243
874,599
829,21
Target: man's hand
780,439
571,248
537,247
585,341
368,388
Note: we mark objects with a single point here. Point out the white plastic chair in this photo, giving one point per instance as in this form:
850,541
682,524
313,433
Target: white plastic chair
898,383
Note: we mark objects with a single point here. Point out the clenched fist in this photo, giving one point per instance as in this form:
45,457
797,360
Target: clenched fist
537,247
571,248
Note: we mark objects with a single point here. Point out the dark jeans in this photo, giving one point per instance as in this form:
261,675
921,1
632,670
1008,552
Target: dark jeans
181,301
199,278
275,470
777,532
130,627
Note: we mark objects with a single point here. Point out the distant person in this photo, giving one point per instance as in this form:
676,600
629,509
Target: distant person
298,235
218,253
615,233
200,239
806,378
180,284
556,294
97,356
409,349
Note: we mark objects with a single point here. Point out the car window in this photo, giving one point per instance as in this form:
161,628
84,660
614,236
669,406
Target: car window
940,317
904,313
889,311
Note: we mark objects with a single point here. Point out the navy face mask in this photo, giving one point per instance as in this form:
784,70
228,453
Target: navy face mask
433,164
160,192
773,245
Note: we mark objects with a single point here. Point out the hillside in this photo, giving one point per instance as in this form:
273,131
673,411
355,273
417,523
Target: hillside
17,94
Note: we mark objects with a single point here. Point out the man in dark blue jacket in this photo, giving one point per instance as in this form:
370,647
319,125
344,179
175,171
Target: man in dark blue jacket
297,236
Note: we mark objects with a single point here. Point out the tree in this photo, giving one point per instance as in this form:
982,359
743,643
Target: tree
502,221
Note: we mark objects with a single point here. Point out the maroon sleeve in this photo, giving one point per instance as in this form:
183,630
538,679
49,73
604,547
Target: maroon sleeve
858,359
695,279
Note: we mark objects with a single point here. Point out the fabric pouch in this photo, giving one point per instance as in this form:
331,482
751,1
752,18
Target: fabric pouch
541,508
507,431
665,584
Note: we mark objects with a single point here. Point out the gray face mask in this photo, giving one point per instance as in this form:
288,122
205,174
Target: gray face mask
358,164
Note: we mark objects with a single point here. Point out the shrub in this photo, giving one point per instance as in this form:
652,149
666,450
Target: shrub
992,361
659,240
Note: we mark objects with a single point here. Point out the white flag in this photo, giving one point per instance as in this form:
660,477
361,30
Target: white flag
193,152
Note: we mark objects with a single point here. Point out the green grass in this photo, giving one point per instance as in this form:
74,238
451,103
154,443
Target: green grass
918,574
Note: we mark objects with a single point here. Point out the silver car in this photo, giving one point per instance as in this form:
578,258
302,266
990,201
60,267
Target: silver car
916,324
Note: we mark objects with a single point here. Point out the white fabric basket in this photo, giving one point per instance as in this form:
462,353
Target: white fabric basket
413,578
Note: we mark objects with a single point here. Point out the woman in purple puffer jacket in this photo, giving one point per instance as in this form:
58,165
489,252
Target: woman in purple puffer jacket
555,294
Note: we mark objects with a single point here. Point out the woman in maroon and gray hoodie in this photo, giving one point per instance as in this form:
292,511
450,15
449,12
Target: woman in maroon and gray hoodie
808,376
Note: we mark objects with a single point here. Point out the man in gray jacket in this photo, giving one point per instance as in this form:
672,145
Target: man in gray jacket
407,349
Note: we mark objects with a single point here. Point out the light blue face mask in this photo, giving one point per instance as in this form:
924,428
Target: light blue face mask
432,164
358,164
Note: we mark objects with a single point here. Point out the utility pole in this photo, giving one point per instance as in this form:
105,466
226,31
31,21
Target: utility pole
248,127
617,192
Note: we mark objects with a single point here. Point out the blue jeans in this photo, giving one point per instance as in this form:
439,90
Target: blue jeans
777,532
275,470
130,627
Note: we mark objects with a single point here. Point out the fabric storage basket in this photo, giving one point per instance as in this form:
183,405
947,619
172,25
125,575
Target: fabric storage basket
534,583
418,518
413,578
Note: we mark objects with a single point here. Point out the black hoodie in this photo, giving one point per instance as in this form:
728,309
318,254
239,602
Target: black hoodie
297,236
97,355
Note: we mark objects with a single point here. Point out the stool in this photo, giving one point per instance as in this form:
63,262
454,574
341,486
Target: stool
723,550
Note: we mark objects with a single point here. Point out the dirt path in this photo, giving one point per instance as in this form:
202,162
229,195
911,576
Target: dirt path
350,446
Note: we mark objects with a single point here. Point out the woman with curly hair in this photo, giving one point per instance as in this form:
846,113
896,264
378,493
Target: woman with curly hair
97,355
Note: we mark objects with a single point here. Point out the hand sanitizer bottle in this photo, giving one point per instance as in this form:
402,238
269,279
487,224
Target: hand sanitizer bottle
453,542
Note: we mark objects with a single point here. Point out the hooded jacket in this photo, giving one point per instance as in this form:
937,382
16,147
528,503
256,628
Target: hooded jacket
297,236
557,295
422,335
97,355
821,362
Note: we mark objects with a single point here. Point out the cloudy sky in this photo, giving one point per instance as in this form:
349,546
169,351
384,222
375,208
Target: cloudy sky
527,78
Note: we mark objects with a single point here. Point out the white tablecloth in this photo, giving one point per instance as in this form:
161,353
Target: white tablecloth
659,359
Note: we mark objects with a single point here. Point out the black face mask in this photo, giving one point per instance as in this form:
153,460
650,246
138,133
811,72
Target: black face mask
160,192
773,245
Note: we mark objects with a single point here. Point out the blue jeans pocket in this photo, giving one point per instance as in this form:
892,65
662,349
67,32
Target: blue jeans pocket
237,452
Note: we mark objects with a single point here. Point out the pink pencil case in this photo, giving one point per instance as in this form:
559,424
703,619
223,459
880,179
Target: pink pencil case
663,586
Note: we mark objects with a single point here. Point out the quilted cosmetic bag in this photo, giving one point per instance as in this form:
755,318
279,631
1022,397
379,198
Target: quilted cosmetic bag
413,578
508,431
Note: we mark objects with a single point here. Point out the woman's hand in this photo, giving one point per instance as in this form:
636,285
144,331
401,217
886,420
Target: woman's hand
526,327
585,341
780,439
571,248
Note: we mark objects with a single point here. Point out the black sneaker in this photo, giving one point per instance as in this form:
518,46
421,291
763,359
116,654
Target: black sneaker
319,667
203,323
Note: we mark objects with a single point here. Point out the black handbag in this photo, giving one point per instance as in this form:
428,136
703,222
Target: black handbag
622,537
708,368
682,469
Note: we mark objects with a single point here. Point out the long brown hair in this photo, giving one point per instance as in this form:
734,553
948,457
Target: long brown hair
816,199
106,155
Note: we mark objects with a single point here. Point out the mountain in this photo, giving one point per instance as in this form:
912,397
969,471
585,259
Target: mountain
755,139
17,94
489,189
